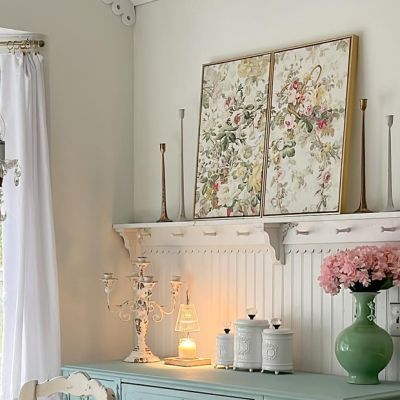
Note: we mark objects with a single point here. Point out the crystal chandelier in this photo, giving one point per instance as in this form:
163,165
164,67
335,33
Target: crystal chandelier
5,166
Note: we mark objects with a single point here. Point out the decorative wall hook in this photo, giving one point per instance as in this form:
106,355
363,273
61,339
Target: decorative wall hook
343,230
209,233
388,229
304,232
143,233
177,234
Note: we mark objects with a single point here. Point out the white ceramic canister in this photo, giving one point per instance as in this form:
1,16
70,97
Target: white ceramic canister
224,350
248,343
277,350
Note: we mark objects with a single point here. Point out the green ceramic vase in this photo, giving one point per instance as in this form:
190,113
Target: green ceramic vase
364,349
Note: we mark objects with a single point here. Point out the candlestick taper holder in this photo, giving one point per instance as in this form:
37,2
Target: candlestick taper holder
389,204
164,215
141,306
362,208
182,214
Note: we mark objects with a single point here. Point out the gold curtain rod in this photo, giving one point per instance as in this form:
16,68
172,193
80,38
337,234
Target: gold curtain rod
28,43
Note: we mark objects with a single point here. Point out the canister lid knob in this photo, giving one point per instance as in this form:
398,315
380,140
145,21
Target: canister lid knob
227,327
276,323
251,312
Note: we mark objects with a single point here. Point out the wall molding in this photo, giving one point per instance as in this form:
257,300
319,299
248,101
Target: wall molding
272,264
126,9
224,281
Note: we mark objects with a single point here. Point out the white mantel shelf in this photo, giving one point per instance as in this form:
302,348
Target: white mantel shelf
276,232
279,219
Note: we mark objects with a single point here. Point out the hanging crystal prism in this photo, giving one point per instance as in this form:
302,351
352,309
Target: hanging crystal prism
5,166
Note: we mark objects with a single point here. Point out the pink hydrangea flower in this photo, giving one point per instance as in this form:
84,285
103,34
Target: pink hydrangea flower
364,268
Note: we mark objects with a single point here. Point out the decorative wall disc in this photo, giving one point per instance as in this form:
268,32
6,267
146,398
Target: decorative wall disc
126,9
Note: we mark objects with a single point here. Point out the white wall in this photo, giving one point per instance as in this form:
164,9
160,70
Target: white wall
89,77
173,38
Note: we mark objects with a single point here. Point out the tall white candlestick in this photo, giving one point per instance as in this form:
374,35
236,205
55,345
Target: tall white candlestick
182,215
389,204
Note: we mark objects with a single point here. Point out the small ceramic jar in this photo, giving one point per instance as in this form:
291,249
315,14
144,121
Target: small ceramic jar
224,350
248,343
277,350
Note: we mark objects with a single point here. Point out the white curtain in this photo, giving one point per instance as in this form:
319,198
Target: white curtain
31,343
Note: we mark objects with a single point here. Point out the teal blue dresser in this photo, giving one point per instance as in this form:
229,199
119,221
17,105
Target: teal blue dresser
157,381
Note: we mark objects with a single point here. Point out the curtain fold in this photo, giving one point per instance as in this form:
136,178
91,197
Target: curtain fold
31,341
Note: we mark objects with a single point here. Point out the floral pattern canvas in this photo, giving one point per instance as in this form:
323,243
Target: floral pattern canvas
307,129
232,138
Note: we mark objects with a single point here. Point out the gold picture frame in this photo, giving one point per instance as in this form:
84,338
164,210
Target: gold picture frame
210,201
318,170
231,138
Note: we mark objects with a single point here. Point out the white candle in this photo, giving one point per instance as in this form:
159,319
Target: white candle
187,348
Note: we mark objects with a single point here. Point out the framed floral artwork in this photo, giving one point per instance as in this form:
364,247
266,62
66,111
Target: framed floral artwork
307,143
231,143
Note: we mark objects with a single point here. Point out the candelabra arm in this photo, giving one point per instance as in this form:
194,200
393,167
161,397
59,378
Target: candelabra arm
159,316
125,310
161,313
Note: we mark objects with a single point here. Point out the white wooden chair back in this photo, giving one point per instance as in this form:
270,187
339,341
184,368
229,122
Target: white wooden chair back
77,384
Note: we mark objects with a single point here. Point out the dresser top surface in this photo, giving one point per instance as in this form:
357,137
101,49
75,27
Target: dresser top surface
300,385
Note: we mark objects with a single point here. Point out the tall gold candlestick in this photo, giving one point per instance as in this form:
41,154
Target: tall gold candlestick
362,208
164,215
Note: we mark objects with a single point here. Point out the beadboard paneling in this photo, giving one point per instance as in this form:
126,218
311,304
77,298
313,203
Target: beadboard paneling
225,281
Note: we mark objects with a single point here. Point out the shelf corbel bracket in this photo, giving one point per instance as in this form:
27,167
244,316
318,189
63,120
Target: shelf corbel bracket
133,238
273,233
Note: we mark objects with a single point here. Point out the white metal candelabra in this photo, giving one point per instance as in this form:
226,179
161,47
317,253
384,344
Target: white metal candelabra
141,306
5,166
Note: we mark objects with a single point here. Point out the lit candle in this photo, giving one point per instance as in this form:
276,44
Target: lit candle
187,348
